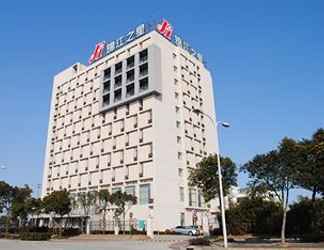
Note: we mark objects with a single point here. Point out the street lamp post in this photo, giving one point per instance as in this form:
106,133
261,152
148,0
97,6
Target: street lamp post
220,181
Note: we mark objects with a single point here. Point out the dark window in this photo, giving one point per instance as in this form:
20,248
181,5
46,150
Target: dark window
143,84
107,73
106,99
118,81
143,55
130,62
130,75
118,68
130,90
143,69
118,95
140,102
107,86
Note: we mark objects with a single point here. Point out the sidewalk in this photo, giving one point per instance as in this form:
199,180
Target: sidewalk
109,237
127,237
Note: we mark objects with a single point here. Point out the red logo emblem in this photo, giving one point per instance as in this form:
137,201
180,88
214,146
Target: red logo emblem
165,29
98,52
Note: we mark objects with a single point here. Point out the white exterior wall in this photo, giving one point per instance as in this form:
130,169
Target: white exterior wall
89,150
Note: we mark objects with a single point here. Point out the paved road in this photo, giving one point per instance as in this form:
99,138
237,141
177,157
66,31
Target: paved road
82,245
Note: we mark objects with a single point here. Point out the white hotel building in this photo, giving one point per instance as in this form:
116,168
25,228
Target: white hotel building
126,122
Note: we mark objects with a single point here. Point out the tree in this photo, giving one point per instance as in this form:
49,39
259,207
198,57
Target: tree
86,200
20,209
13,202
104,199
276,172
6,198
205,176
305,219
121,200
34,208
254,215
311,171
59,203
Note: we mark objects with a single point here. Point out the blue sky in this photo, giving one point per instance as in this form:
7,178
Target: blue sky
267,59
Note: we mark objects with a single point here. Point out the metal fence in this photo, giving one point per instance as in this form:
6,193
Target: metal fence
109,225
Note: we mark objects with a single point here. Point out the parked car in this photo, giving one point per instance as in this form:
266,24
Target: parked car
187,230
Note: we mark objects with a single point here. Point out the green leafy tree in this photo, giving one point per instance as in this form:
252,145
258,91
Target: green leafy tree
276,172
59,203
12,202
6,199
86,201
105,199
311,171
34,208
205,176
122,201
20,209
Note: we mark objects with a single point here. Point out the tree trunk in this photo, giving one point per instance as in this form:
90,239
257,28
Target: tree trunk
7,224
124,218
60,226
314,193
284,218
104,221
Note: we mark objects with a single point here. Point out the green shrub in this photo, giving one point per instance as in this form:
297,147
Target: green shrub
199,242
254,216
70,232
312,237
35,236
305,220
166,232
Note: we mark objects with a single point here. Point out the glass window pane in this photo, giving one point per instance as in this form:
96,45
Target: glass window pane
145,193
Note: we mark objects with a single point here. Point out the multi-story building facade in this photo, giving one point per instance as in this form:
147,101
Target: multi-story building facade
126,122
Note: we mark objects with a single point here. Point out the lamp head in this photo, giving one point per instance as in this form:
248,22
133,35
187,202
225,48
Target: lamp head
225,124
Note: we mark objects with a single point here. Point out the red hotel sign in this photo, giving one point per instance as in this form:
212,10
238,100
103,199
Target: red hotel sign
165,29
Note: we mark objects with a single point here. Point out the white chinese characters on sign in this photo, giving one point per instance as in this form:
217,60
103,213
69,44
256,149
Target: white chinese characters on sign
164,28
183,44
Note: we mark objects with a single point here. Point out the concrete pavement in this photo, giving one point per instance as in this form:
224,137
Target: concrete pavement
82,245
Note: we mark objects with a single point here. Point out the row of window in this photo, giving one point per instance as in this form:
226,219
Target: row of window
90,128
146,153
130,77
123,173
89,111
93,138
144,193
130,91
130,63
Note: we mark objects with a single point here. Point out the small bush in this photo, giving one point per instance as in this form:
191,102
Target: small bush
38,229
312,237
216,232
199,242
35,236
101,232
70,232
9,236
166,232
